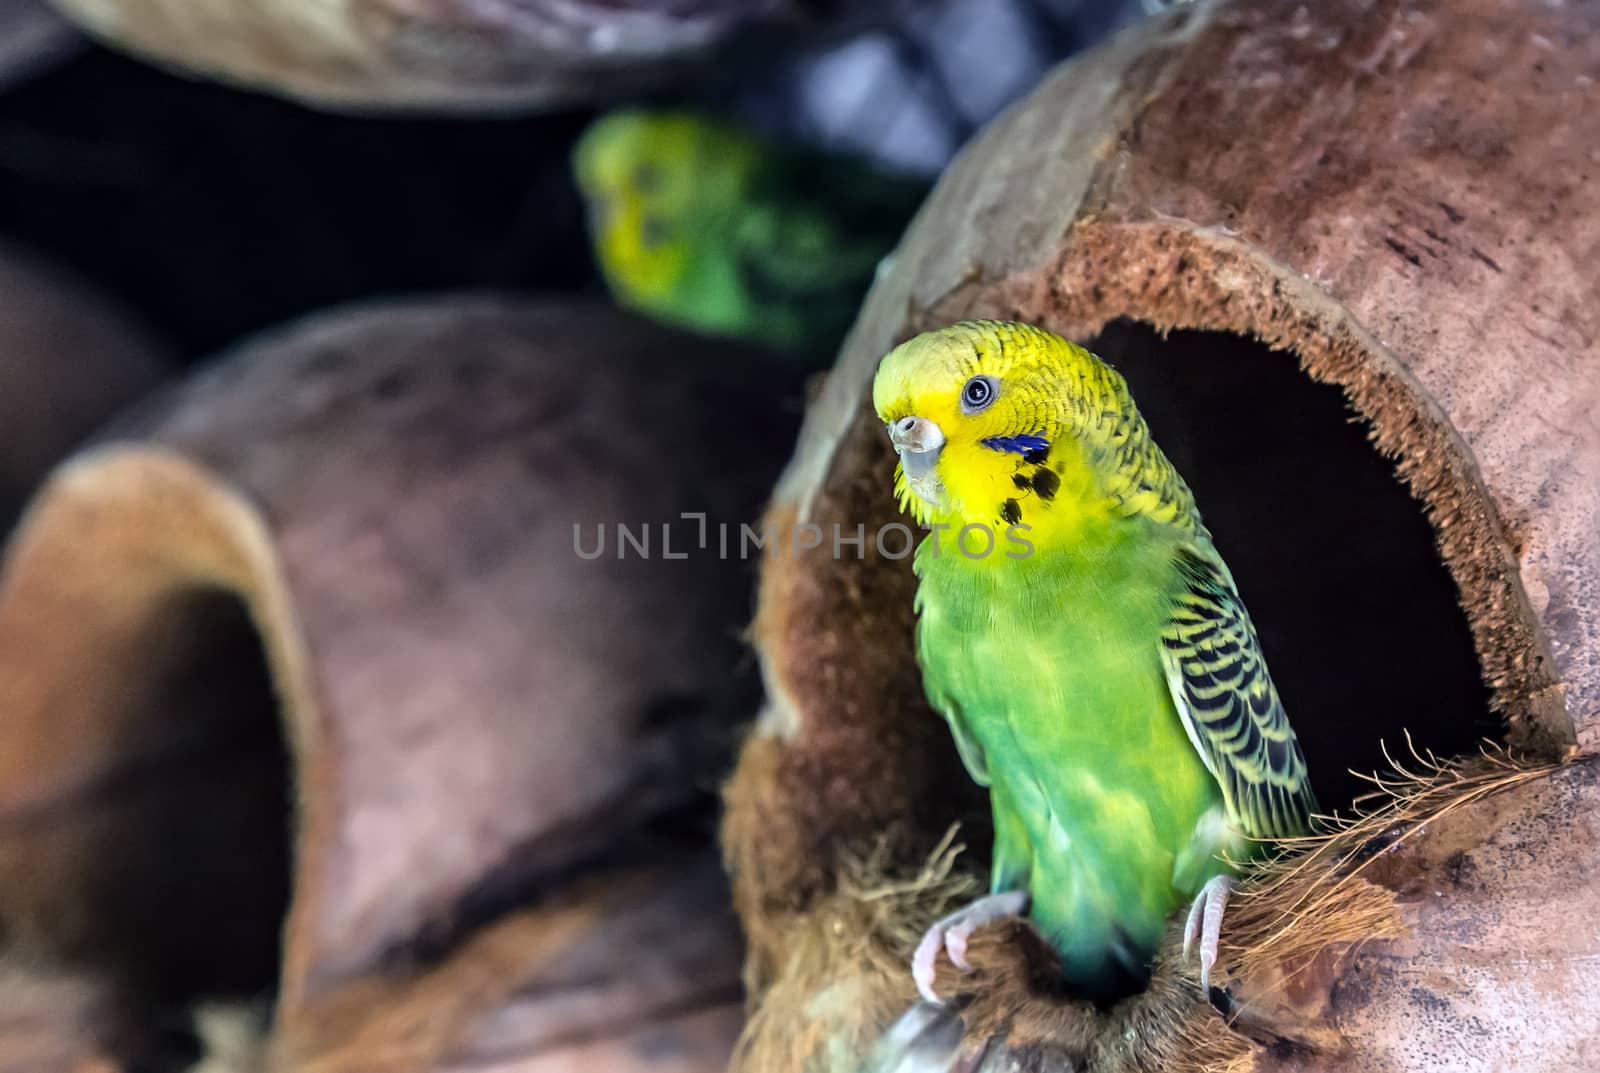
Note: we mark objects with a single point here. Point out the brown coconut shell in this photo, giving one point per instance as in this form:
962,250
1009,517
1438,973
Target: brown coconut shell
309,693
69,359
1345,255
448,55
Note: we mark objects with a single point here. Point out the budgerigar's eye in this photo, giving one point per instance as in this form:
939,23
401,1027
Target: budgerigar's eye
653,232
646,178
978,393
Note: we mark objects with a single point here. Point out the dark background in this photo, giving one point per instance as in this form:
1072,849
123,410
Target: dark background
216,212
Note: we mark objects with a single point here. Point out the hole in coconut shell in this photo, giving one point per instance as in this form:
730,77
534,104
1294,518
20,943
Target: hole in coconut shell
184,863
1336,559
1359,619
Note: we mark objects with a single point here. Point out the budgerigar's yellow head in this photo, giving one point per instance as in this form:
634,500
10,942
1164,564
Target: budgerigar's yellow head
649,179
994,423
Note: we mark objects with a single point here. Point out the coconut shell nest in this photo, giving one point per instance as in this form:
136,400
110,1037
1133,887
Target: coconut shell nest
1345,255
311,703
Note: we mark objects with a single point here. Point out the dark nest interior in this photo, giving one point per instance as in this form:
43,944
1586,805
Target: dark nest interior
152,848
183,829
1360,621
203,841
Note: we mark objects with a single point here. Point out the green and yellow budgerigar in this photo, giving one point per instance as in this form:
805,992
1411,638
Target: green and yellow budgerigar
699,223
1097,667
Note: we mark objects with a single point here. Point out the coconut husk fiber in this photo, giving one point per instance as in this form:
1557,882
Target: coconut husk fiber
311,702
69,359
1344,255
469,56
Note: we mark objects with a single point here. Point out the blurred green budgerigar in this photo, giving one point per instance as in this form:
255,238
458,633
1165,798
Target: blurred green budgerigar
701,224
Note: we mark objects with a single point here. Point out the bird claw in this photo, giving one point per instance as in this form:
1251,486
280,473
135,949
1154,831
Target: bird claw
951,933
1205,924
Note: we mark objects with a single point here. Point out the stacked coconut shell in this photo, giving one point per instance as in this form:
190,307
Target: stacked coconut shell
313,705
460,55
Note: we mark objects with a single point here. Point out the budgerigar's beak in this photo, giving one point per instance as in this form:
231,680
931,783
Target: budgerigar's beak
918,442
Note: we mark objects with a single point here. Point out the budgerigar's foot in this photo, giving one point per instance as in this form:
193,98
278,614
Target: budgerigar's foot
1205,924
950,934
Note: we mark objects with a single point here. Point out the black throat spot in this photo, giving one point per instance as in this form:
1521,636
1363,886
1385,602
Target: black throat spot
1046,483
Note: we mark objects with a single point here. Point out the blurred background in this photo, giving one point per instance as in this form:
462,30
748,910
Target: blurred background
217,212
318,747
